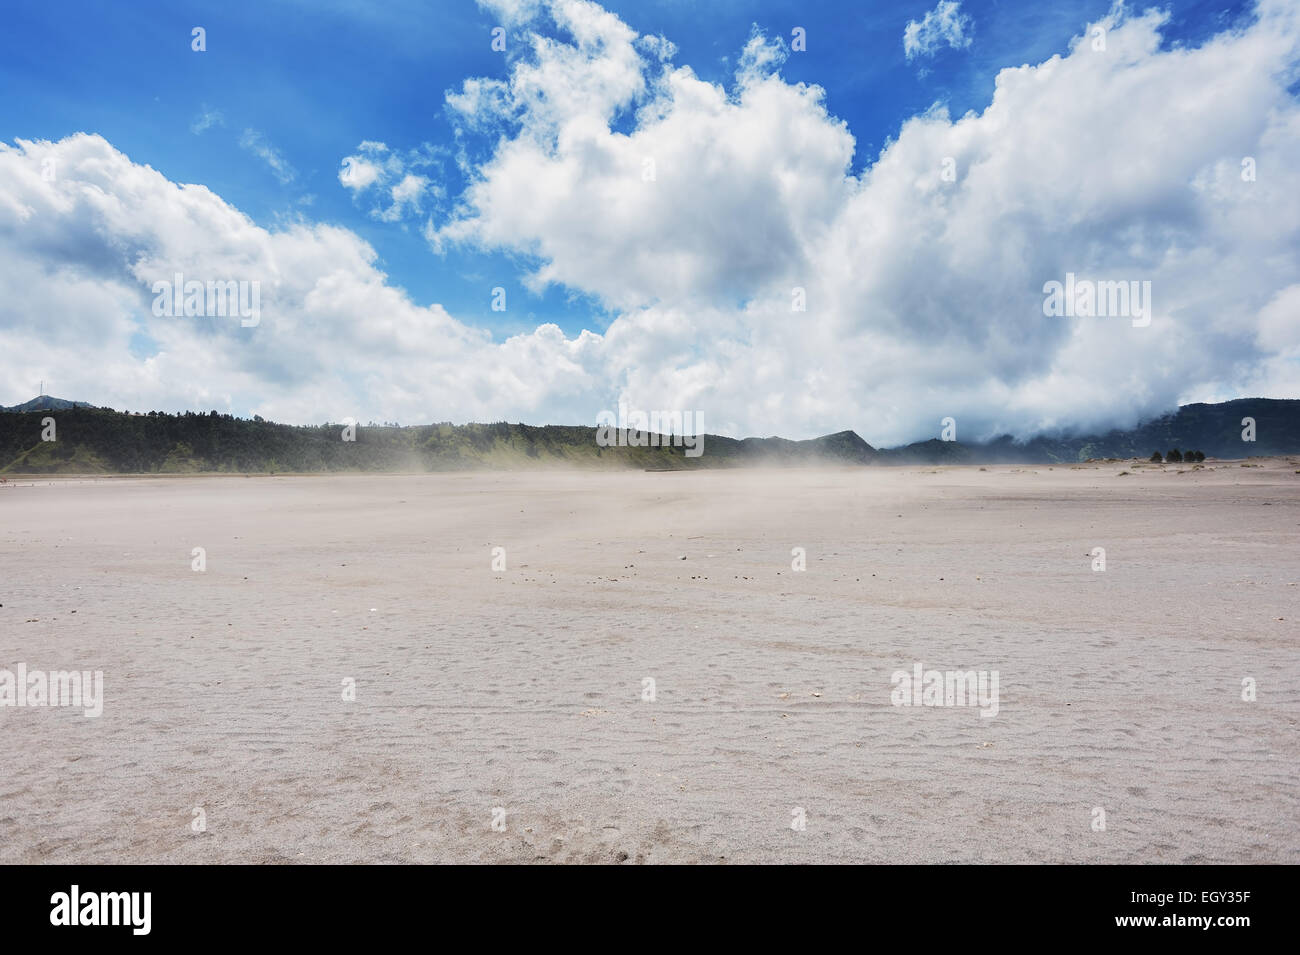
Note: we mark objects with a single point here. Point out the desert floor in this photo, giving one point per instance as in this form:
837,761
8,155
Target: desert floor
522,690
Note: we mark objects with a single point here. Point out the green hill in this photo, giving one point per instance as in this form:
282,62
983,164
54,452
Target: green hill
100,440
46,403
1215,429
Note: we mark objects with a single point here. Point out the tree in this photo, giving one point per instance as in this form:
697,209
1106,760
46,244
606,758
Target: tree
1200,455
1175,456
1156,458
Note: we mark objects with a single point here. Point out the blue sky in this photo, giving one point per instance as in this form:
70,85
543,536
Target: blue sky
286,91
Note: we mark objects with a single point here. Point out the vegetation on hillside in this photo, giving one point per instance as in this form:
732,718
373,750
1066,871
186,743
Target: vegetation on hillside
100,440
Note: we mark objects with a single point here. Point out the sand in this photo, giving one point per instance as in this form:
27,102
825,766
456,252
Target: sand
521,690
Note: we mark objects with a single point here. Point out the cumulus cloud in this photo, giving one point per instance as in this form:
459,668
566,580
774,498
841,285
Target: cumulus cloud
945,25
711,192
385,174
360,172
703,215
335,339
924,293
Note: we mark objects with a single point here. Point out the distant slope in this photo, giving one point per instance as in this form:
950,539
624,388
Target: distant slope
1215,429
100,440
97,440
46,403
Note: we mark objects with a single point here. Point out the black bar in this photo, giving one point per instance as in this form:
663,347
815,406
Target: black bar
334,904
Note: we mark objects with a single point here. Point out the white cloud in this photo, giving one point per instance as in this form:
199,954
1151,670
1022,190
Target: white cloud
406,196
206,120
334,338
710,193
375,166
481,103
924,295
256,143
945,25
358,173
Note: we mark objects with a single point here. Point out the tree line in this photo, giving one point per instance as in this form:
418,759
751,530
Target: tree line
1178,457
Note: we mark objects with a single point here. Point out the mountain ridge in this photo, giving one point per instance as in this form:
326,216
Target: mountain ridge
47,403
101,440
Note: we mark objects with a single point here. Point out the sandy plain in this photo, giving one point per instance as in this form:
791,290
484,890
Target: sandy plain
522,689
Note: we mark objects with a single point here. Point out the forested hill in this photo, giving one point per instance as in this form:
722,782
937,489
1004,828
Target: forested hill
91,440
100,440
1215,429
